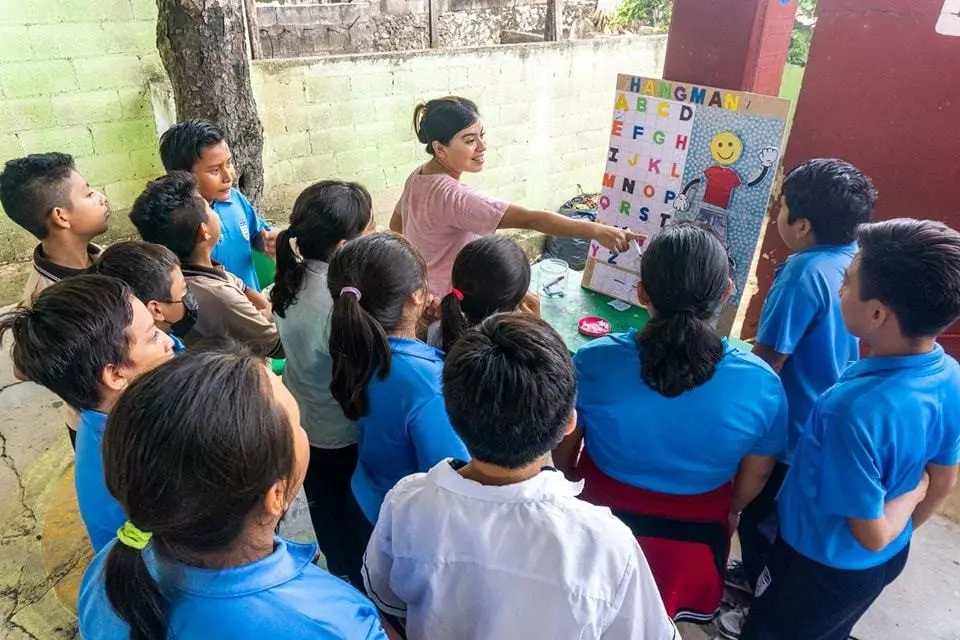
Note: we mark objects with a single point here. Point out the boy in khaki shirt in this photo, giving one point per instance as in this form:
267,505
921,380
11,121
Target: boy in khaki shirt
44,194
171,212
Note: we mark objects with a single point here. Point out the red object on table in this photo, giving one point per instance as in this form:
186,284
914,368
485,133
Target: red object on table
593,326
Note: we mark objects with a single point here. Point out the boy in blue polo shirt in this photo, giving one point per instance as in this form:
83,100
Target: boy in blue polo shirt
801,331
201,148
86,339
879,454
153,274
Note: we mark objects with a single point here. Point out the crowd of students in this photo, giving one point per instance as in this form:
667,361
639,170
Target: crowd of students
462,470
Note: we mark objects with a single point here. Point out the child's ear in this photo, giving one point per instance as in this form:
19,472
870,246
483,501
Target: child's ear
154,308
204,233
341,243
804,228
114,378
730,289
57,218
275,501
571,424
642,296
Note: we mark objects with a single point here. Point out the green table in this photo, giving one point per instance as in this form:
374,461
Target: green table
564,313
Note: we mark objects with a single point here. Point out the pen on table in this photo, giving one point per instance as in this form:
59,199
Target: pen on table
551,284
636,246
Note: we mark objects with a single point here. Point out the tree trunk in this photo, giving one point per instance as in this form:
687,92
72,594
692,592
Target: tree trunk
552,29
202,45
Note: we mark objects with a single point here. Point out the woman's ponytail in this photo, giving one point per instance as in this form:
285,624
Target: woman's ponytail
686,276
359,349
290,273
134,594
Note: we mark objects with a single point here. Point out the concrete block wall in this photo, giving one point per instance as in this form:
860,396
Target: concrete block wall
74,77
546,108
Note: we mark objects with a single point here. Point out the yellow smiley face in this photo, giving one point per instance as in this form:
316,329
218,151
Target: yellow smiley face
726,147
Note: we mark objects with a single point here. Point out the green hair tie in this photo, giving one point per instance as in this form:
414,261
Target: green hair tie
132,537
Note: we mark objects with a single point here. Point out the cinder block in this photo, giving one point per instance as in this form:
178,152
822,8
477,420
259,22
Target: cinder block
350,163
373,133
135,37
10,148
279,172
106,168
370,85
48,77
333,139
112,72
87,107
327,89
371,178
319,116
73,140
15,44
297,118
126,135
145,163
122,194
71,40
144,10
67,11
399,154
135,103
312,168
290,146
26,114
396,175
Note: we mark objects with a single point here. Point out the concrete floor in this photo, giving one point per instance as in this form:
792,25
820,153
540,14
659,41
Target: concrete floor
43,549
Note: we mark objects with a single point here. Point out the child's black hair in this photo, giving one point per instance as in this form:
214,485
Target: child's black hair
182,144
509,388
31,187
386,270
913,267
146,268
493,274
74,329
833,195
441,119
169,212
686,272
323,215
216,407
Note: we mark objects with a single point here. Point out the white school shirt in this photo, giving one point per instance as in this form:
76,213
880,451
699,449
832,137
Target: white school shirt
528,561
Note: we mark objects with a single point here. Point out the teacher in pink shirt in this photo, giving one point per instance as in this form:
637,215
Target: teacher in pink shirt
440,215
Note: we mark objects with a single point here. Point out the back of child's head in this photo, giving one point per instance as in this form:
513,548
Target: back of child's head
31,187
912,267
75,328
169,212
510,388
146,268
490,274
190,451
324,215
441,119
371,280
833,195
182,144
686,274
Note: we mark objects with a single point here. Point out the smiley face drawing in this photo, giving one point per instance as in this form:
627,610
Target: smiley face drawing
726,149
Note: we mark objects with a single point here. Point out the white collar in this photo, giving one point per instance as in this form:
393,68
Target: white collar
546,485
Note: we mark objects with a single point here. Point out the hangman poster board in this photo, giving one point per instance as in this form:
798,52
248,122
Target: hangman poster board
685,152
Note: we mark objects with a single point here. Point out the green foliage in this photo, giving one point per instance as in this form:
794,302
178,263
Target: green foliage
655,13
802,33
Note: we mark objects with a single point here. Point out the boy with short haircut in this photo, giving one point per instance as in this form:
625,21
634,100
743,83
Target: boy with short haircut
501,547
171,212
201,148
880,453
86,339
153,274
801,332
44,194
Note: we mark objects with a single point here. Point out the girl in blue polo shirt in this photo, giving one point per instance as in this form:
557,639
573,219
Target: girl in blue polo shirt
383,377
206,456
679,427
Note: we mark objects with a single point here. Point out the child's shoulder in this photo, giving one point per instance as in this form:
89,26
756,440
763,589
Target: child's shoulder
603,348
749,364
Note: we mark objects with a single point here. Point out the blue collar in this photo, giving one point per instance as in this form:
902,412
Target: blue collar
415,348
288,560
94,418
727,347
224,203
849,249
932,360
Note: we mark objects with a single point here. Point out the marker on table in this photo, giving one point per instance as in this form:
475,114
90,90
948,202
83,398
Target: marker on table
547,287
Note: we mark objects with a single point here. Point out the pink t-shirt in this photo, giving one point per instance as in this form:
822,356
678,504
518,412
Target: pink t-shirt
440,216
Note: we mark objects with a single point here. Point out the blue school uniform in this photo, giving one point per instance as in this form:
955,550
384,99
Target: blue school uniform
283,596
801,318
407,429
868,441
687,445
102,514
239,226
